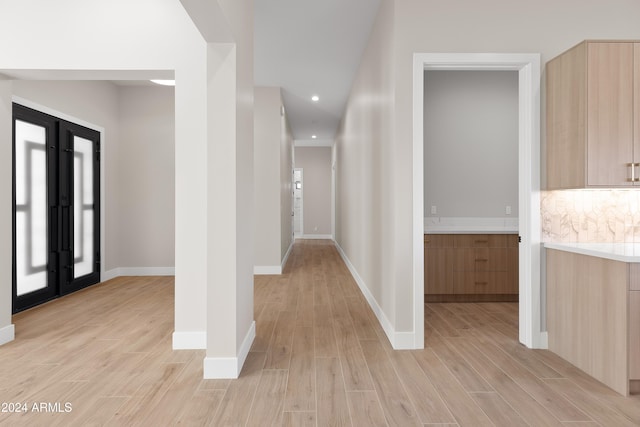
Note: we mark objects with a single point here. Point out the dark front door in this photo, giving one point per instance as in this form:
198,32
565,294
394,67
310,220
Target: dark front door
56,207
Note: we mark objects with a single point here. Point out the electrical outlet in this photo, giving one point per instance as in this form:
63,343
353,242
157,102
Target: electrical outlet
507,210
434,210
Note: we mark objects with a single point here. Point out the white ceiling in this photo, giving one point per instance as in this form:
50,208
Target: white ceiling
306,47
311,47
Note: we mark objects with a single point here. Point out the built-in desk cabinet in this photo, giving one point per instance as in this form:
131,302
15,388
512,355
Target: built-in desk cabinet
593,316
593,116
471,267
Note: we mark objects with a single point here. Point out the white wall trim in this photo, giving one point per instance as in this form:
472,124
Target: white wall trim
230,367
544,340
193,340
399,340
286,256
266,270
110,274
138,271
315,236
7,334
528,67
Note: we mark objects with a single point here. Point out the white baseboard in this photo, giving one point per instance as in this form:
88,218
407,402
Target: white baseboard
399,340
230,367
404,341
286,256
266,269
147,271
544,340
194,340
138,271
7,334
111,274
315,236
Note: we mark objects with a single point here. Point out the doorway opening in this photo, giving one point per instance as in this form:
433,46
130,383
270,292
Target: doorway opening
528,68
471,185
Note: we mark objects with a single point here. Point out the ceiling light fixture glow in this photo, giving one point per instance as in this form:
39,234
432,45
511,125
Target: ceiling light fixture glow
313,136
165,82
315,98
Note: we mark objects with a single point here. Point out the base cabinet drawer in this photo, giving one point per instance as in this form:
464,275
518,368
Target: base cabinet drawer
483,259
470,264
480,282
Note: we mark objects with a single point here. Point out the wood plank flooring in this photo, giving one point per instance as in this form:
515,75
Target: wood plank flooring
320,358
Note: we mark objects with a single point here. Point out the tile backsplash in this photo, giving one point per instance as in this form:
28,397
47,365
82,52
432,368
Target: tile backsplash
591,216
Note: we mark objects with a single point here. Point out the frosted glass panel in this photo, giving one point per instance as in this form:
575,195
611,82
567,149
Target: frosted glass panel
31,207
83,206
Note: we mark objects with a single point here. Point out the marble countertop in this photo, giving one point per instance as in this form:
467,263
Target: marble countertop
625,252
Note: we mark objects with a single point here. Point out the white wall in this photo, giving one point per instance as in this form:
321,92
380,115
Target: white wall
471,143
6,178
95,102
316,189
272,181
267,186
377,128
138,162
365,153
146,176
230,230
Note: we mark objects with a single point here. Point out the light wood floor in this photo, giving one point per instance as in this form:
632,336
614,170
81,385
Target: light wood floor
319,358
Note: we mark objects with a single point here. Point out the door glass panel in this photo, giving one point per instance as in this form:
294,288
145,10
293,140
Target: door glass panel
31,207
83,206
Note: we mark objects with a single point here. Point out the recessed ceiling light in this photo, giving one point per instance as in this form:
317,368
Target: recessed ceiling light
315,98
165,82
313,136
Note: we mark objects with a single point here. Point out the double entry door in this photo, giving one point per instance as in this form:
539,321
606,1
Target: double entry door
56,207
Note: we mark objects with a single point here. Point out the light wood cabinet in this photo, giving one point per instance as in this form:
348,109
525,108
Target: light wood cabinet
438,263
593,116
593,316
468,267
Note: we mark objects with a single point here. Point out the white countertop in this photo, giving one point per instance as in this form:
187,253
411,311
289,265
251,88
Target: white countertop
625,252
470,225
470,230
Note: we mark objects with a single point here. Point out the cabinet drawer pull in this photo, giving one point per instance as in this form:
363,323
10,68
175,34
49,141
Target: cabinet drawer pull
482,260
633,172
482,283
481,241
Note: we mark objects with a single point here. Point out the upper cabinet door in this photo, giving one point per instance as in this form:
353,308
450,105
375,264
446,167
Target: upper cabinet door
591,135
609,114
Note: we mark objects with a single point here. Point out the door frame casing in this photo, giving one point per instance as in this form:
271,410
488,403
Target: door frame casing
301,235
103,149
528,67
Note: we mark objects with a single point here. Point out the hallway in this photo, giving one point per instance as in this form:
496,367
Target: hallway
319,358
